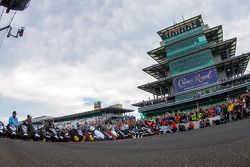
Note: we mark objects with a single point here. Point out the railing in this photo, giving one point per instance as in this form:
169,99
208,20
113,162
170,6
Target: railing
223,89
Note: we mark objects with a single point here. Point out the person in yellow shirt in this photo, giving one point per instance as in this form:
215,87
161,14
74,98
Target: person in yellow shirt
230,110
230,107
199,115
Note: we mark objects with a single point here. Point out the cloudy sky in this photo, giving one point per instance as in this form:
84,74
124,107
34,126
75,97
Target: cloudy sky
78,51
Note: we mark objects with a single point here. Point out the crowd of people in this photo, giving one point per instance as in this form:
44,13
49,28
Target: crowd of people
233,109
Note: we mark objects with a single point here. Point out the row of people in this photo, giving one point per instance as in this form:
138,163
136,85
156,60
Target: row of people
233,109
13,120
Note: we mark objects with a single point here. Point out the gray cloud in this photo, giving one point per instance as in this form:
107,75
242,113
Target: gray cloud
74,51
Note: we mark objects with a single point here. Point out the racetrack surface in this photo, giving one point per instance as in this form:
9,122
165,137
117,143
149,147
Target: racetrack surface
224,146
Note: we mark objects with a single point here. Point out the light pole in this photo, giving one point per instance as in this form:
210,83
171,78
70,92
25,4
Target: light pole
19,33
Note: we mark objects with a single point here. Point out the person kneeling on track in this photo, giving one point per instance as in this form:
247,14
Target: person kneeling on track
97,133
207,122
202,123
191,126
174,127
182,128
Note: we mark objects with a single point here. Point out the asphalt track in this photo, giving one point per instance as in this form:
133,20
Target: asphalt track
223,146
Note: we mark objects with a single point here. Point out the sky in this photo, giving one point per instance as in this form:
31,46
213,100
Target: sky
76,52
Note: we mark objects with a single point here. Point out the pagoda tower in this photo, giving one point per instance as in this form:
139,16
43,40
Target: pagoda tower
194,66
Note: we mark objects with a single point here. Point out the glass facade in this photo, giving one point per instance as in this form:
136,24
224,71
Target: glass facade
183,35
191,63
186,46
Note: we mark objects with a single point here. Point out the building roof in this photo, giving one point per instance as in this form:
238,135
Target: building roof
41,118
93,113
215,33
239,64
180,24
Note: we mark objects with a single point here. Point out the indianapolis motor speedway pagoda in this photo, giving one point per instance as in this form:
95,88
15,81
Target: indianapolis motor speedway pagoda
195,66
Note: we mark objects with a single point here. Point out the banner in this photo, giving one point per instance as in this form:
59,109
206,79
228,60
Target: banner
195,80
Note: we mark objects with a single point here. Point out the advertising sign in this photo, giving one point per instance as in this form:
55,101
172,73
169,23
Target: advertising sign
195,80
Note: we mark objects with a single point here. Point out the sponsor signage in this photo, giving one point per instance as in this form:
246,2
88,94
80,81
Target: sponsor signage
195,80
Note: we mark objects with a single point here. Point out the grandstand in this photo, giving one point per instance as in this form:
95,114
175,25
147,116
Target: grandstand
195,66
41,118
106,113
